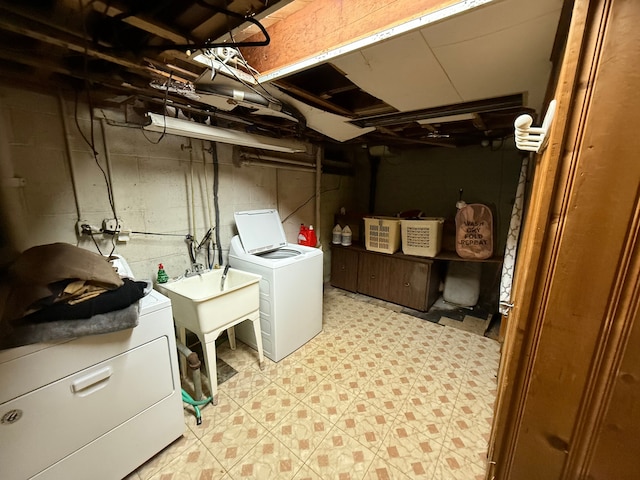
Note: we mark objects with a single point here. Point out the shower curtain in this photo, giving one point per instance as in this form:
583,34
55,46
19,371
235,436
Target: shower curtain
512,241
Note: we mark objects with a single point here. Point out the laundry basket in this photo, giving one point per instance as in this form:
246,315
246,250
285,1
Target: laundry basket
382,234
422,237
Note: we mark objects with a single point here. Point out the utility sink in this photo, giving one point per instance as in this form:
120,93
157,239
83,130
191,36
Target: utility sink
202,307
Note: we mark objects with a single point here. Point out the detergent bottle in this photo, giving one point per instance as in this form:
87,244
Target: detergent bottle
337,234
303,235
346,236
312,239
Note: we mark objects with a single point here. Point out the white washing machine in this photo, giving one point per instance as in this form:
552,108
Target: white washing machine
96,406
291,285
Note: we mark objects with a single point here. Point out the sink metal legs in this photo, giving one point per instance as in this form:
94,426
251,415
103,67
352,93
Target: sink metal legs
208,342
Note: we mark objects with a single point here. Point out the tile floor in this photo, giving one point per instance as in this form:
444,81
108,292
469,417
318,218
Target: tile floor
377,395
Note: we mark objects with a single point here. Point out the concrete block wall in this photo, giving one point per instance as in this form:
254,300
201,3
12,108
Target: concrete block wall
152,187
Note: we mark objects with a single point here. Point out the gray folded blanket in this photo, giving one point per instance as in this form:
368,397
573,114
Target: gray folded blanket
26,333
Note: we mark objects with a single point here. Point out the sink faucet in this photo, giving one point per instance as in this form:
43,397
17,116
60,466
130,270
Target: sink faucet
196,269
224,277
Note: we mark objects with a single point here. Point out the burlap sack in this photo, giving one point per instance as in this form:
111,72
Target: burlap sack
474,232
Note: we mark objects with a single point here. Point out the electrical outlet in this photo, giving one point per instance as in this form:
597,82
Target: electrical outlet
85,228
111,225
79,229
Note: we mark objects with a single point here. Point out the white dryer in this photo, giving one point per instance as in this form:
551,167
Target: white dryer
96,406
291,285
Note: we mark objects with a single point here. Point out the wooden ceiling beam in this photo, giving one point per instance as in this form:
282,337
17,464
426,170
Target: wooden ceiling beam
321,26
173,71
50,36
274,13
140,21
331,107
50,66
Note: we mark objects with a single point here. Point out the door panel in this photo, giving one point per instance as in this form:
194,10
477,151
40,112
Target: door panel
344,268
374,275
575,262
413,284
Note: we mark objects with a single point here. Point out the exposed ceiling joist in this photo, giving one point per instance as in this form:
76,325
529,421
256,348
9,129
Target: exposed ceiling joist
53,36
139,49
311,31
154,27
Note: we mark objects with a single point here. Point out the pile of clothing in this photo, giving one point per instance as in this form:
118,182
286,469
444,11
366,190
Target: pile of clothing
60,291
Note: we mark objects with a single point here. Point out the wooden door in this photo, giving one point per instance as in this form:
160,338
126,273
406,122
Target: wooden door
569,381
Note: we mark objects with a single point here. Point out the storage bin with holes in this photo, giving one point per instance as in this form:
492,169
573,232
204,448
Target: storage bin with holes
422,237
382,234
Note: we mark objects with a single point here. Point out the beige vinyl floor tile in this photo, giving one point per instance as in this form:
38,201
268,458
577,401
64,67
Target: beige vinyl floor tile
377,395
271,405
302,430
322,360
366,423
161,461
383,470
298,380
467,439
210,416
340,457
330,399
195,462
269,459
453,466
244,385
305,473
410,451
229,440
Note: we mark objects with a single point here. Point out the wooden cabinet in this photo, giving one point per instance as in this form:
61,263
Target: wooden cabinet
402,279
411,289
374,275
344,268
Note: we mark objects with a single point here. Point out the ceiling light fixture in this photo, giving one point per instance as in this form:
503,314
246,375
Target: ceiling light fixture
418,22
187,128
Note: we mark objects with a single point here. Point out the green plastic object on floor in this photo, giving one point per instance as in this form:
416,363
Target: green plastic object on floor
162,275
196,404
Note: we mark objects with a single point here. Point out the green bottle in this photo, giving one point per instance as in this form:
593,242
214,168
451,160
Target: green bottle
162,275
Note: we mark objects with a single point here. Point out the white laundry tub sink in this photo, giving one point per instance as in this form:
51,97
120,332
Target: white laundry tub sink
199,305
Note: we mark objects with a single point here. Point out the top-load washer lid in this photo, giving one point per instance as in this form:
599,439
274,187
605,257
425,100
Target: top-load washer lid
260,230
